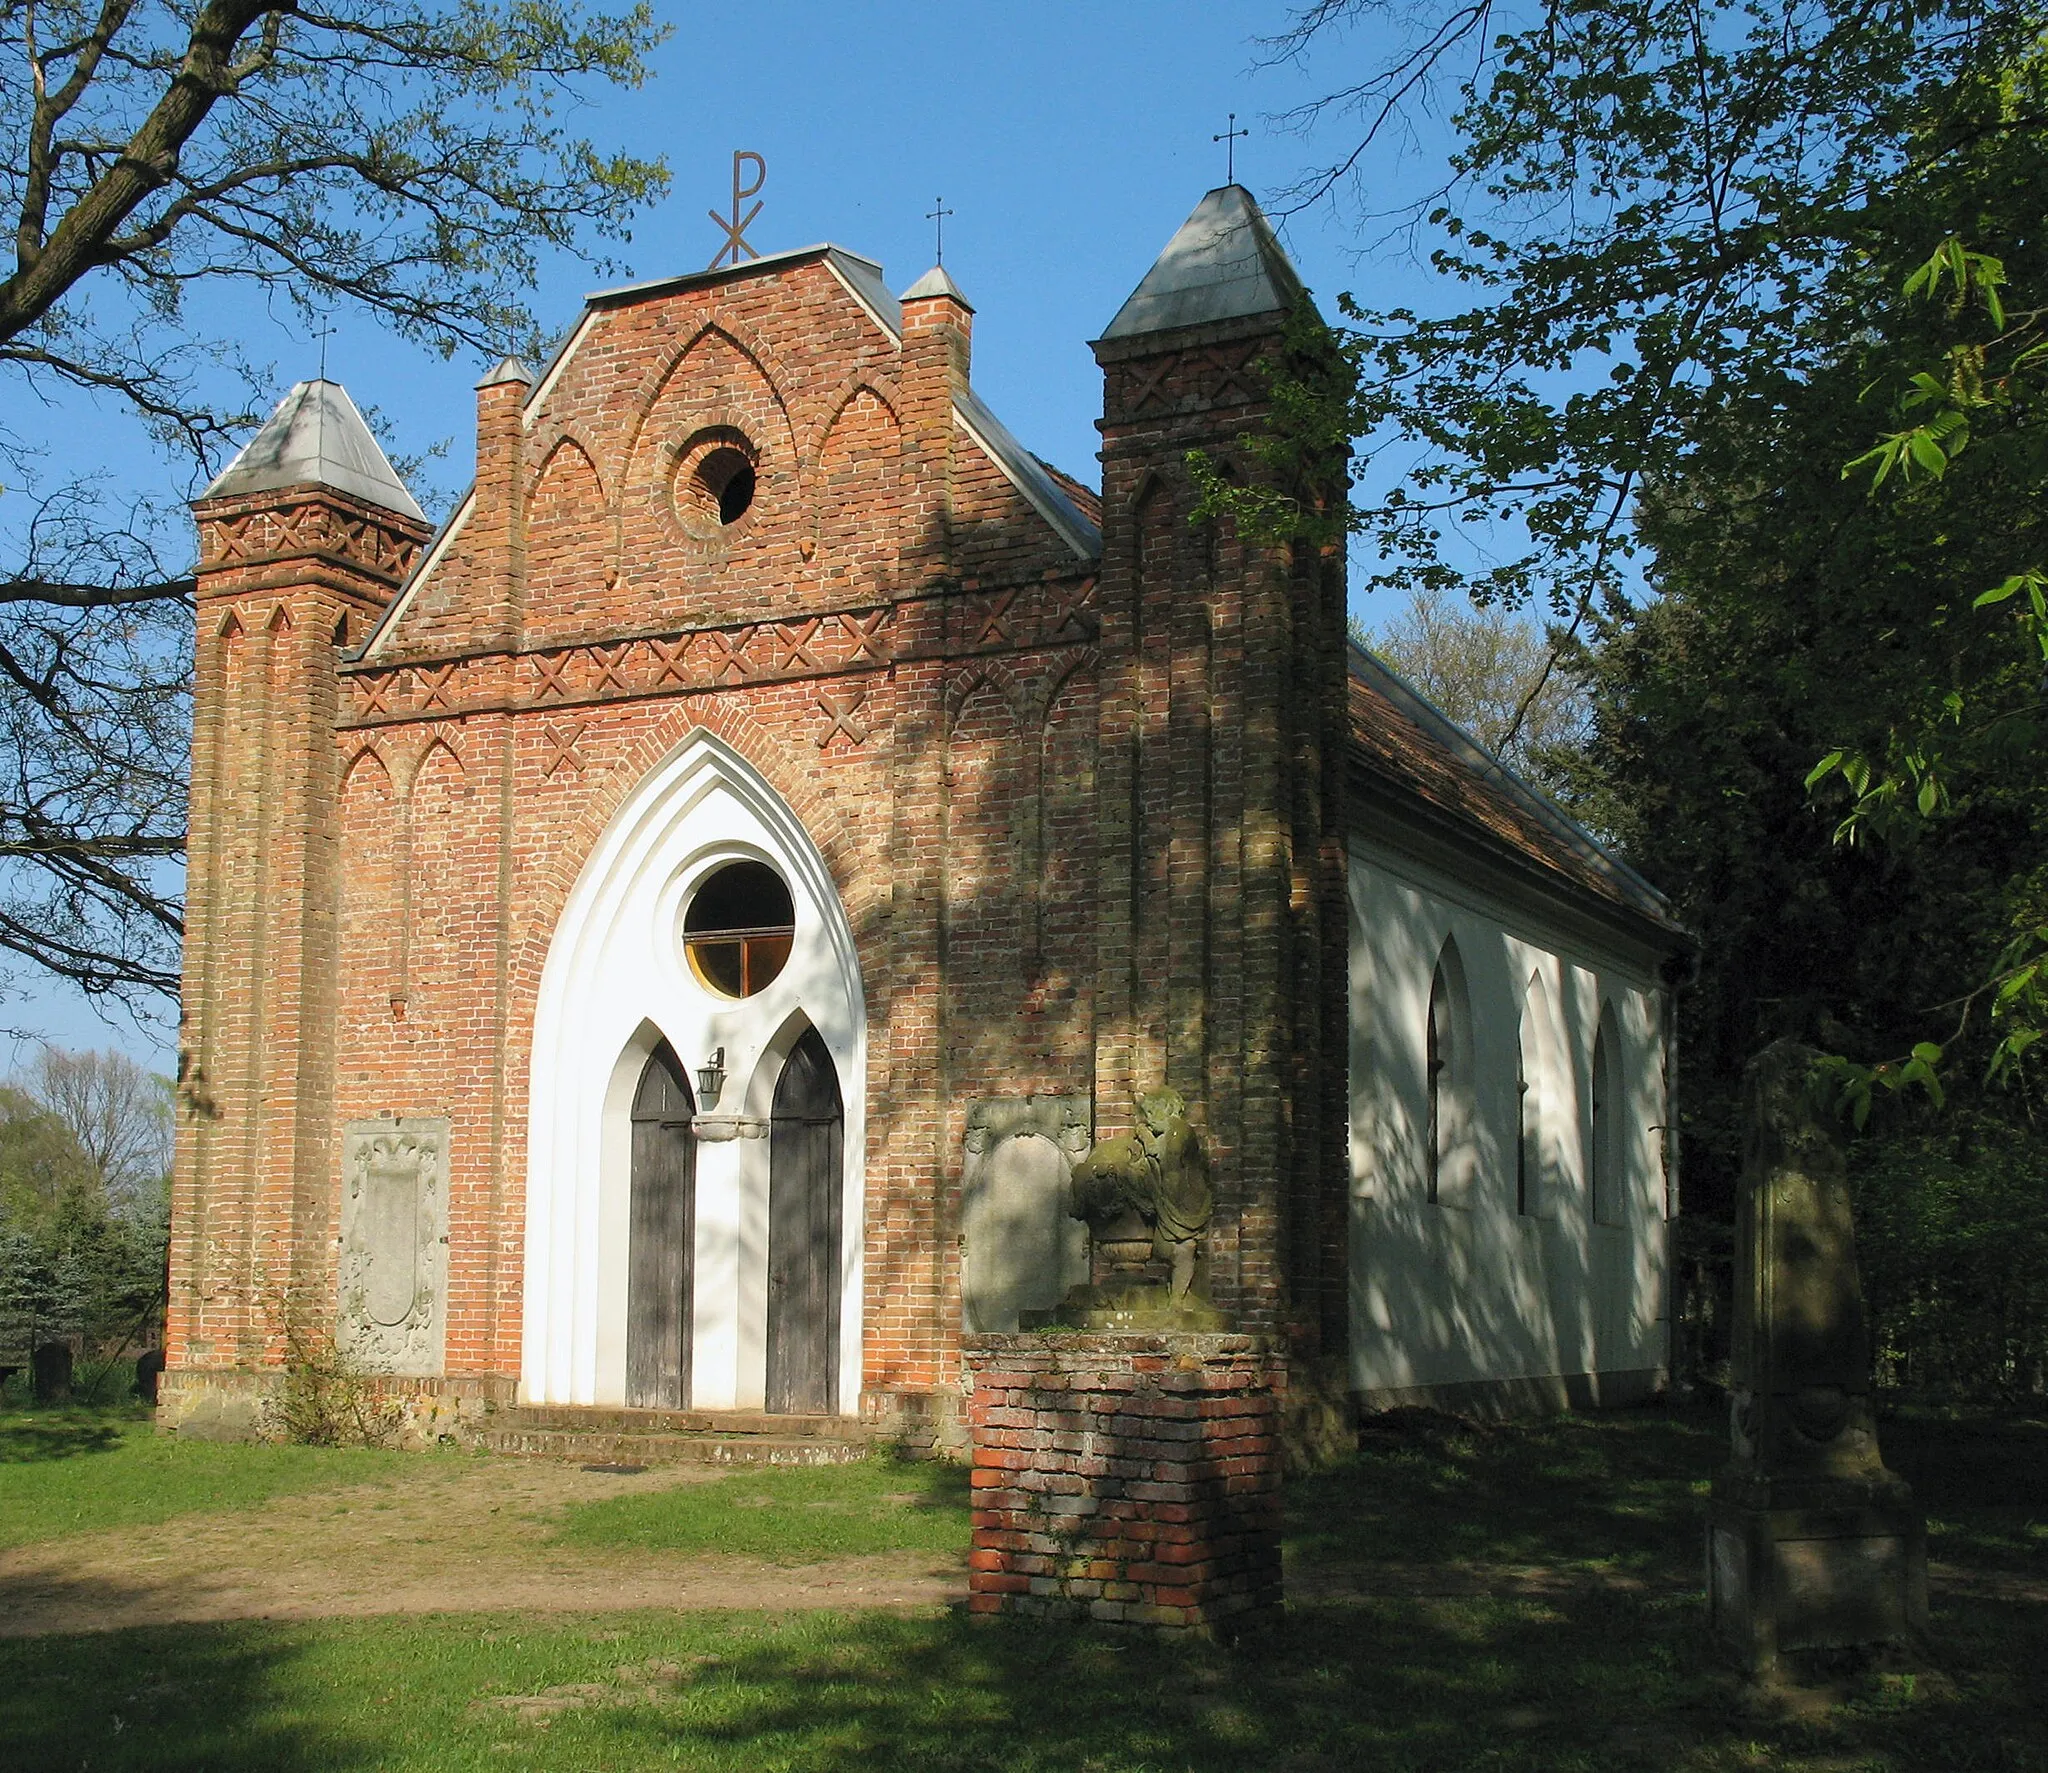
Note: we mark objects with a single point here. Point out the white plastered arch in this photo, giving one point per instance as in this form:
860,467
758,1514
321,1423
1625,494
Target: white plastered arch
615,979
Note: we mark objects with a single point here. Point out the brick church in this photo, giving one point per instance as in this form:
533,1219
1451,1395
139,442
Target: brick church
662,939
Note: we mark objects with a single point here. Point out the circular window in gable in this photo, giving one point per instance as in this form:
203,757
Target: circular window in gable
717,475
739,928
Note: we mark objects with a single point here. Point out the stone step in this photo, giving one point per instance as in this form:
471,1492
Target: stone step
607,1419
613,1436
597,1447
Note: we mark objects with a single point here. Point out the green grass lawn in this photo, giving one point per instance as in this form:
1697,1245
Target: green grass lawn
800,1514
81,1469
1594,1677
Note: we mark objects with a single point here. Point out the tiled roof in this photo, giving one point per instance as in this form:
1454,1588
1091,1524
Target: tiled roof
1401,738
1086,499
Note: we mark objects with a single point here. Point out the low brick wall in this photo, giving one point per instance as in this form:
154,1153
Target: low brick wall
1134,1479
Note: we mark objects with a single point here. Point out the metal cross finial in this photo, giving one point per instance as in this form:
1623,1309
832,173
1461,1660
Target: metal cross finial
736,225
323,334
938,216
1229,139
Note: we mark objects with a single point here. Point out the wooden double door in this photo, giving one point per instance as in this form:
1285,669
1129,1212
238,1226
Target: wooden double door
806,1147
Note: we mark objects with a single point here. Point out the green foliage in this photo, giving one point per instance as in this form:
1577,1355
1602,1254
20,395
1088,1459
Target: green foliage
800,1514
76,1258
1952,1233
1655,207
328,1398
1302,449
1802,615
1910,782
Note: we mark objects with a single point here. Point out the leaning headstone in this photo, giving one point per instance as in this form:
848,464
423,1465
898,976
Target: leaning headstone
149,1372
1811,1543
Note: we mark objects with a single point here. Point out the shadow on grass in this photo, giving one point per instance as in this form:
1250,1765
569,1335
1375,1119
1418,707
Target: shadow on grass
1983,1482
1586,1679
1588,1684
170,1701
1621,1492
1594,1682
59,1431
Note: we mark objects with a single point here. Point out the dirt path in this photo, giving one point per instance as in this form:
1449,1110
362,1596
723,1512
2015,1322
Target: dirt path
464,1536
468,1536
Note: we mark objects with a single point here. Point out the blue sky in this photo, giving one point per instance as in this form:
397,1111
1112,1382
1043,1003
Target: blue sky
1069,140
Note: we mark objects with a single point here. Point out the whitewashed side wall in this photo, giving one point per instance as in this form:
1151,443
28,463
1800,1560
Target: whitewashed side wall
1465,1291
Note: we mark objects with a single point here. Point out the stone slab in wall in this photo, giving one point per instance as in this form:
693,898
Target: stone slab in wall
1020,1249
392,1308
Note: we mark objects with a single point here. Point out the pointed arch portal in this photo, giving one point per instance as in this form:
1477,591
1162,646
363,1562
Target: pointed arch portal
655,1217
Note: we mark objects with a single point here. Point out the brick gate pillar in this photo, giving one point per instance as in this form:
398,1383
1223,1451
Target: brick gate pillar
1131,1479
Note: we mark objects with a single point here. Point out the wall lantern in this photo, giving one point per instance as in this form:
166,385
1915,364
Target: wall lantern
711,1079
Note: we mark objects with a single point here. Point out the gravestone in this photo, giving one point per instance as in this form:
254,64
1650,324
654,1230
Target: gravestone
49,1366
392,1315
1811,1543
1020,1250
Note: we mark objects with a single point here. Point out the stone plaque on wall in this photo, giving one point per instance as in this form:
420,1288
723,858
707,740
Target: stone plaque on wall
1020,1248
392,1313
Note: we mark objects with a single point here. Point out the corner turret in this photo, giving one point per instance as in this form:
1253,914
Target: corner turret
303,541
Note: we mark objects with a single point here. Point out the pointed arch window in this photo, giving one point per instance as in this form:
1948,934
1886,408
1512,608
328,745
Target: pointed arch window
1605,1164
1526,1131
1543,1101
1447,1081
1439,1043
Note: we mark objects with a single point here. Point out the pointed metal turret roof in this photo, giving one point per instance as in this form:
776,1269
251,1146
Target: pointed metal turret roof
509,369
1224,264
936,282
316,437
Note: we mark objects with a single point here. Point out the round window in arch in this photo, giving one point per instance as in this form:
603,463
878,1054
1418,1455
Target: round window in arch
738,929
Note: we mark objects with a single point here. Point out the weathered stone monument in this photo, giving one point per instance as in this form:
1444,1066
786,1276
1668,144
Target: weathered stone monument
1145,1198
1020,1250
394,1244
1127,1456
1811,1543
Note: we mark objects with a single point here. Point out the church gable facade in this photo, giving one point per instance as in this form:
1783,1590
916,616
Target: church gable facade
663,940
